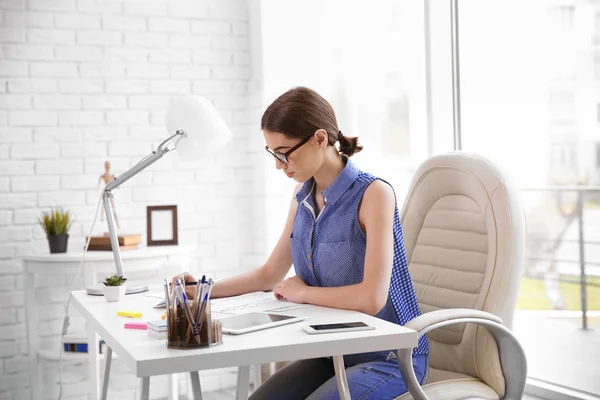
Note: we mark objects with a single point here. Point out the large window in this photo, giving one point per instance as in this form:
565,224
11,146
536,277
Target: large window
528,100
369,63
375,68
530,89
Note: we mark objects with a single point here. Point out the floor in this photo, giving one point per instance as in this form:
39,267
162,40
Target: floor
559,351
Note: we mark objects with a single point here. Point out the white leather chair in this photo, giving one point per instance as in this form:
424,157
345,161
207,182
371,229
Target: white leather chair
464,232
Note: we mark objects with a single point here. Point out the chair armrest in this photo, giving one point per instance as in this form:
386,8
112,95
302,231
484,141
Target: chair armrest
425,322
512,356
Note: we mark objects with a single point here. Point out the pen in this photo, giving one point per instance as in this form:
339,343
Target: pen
190,283
210,285
202,310
196,303
186,308
206,289
201,292
167,302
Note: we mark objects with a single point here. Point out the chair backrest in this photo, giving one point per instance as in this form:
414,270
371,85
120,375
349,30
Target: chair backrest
464,232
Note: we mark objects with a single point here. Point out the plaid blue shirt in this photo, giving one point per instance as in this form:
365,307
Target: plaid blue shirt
329,249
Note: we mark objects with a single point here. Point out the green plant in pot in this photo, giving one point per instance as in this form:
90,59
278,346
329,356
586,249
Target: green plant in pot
56,223
114,288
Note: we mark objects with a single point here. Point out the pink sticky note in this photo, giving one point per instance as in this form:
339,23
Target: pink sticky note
136,325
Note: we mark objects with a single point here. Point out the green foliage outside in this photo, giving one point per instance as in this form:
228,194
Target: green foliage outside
533,295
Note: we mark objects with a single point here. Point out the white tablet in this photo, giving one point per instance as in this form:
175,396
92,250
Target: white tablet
244,323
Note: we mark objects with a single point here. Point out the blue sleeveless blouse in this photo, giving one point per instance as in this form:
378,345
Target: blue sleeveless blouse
329,249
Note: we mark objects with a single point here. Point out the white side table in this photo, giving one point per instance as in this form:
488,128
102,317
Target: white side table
97,265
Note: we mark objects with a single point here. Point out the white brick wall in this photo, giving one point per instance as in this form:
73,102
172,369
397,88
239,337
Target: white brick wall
85,81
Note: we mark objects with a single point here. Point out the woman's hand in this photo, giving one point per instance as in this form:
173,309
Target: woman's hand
292,289
190,291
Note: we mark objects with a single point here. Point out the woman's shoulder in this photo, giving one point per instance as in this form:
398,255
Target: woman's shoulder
379,194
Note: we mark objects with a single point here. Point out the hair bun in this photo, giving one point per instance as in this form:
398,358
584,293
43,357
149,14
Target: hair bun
348,145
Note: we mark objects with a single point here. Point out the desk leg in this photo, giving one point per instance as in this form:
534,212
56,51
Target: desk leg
173,387
94,363
196,389
107,361
243,380
257,376
272,368
145,388
340,377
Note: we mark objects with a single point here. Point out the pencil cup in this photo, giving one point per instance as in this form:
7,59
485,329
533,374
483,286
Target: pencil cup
181,332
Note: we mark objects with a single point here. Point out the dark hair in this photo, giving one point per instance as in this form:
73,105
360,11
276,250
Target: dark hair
300,112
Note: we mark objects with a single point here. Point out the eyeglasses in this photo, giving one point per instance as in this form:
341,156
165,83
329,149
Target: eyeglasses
283,157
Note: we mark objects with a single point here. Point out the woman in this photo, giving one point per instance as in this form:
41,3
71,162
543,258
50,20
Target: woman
343,237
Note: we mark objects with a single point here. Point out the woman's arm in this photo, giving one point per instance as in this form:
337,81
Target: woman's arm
263,278
376,216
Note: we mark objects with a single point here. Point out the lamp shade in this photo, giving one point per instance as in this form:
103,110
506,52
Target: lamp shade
205,130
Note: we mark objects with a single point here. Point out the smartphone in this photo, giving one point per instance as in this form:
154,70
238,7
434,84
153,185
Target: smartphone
338,327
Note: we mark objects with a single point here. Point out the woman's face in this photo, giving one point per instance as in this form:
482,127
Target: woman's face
302,162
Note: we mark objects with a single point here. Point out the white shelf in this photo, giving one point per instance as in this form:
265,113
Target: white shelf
142,252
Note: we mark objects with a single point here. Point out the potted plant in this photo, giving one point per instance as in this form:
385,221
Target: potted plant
56,223
114,288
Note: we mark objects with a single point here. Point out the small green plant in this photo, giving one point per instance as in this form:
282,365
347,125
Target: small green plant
114,280
56,222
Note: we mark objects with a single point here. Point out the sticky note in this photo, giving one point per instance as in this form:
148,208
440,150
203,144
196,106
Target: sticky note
136,325
130,314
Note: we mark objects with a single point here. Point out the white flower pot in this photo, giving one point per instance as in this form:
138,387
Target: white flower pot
115,293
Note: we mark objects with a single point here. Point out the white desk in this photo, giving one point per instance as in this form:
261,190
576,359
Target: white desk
148,357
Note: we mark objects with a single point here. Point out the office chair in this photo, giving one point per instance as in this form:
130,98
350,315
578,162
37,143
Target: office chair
464,233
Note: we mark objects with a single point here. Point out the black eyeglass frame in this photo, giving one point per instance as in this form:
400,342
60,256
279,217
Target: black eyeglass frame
283,157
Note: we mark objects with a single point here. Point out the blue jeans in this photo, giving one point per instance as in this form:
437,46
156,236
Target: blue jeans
314,379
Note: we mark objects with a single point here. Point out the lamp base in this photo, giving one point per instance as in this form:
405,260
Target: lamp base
97,290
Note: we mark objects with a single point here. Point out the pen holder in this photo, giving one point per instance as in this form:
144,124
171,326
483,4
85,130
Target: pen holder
180,332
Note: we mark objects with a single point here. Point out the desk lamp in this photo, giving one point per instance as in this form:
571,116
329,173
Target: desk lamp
196,129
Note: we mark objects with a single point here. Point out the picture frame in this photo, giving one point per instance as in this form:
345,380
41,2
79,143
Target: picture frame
161,225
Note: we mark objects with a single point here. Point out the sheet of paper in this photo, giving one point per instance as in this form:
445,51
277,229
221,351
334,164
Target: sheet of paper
252,302
239,301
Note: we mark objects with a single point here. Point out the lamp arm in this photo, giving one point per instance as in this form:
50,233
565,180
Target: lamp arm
121,179
142,164
112,232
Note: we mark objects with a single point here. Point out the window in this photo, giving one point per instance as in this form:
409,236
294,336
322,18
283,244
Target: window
519,109
561,104
563,155
561,18
369,63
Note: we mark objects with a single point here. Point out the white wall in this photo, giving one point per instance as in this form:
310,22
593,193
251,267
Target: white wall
85,81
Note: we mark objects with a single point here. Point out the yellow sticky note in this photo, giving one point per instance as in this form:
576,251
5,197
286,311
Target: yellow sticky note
129,313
